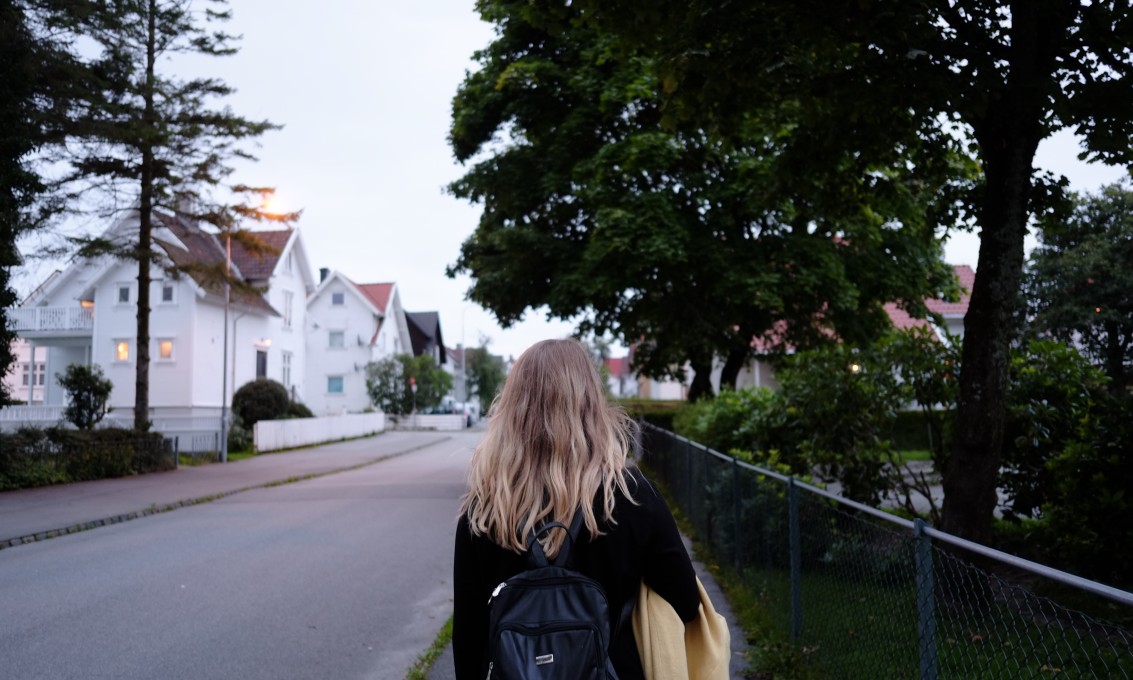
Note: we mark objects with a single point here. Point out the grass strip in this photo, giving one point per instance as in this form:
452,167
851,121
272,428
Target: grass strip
420,669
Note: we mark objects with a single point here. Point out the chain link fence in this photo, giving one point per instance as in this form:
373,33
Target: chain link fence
869,595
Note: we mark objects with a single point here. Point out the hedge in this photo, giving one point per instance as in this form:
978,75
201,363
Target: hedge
32,457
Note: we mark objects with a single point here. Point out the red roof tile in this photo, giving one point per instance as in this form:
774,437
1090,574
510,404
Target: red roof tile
967,277
259,266
377,293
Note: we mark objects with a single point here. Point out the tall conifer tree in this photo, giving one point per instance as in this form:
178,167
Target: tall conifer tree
160,141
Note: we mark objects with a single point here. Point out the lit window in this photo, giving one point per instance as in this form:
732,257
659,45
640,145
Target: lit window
338,299
121,350
165,349
334,384
123,294
337,339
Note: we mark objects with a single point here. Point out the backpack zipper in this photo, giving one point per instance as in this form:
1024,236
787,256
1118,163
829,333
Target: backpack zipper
496,592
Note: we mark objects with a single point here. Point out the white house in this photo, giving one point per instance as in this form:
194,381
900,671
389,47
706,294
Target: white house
759,371
87,314
348,326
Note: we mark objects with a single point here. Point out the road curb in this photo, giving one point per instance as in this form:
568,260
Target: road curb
154,509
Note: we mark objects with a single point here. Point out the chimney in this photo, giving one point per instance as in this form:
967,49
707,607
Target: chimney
323,273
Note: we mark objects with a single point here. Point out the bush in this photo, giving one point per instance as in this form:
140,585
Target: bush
1052,396
261,399
87,392
239,437
33,457
298,409
655,412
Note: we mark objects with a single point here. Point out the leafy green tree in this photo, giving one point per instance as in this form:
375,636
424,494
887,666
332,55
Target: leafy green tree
87,392
35,94
874,78
158,141
1080,284
390,381
674,240
485,374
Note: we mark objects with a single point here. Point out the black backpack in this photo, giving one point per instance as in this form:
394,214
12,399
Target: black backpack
549,622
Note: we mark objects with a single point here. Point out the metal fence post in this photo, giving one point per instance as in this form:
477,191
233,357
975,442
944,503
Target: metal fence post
926,603
737,527
795,544
688,479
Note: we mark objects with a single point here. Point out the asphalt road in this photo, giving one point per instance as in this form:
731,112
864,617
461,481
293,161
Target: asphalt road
340,577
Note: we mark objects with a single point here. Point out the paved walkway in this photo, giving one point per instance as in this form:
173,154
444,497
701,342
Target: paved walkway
27,515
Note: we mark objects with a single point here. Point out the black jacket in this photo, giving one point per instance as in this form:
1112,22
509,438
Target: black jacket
643,544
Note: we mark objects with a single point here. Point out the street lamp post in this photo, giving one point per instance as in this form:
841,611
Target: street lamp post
224,368
413,388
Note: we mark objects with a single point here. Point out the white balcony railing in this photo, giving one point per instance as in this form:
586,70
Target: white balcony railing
47,319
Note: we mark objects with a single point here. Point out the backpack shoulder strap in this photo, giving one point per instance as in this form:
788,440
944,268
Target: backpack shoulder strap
535,552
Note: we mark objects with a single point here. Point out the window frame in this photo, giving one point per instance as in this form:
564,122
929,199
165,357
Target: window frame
341,384
331,335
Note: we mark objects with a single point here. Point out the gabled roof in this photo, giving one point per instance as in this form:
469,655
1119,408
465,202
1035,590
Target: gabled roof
197,247
967,277
955,310
377,293
260,266
425,333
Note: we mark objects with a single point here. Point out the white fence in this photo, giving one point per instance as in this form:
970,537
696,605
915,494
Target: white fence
272,435
445,422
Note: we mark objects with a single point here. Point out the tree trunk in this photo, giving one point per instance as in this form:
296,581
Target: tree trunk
145,236
1008,135
737,357
1115,359
701,387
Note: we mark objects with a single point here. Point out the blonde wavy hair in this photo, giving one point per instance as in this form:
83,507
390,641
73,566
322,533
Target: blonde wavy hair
554,444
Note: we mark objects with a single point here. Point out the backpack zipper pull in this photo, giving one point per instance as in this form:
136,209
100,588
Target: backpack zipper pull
490,665
496,591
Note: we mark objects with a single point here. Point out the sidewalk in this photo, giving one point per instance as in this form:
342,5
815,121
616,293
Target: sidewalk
445,669
28,515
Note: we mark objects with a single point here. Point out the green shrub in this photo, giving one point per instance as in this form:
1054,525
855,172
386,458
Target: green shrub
656,412
239,437
261,399
87,392
1052,398
33,457
298,409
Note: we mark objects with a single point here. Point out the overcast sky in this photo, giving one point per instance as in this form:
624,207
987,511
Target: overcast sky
364,92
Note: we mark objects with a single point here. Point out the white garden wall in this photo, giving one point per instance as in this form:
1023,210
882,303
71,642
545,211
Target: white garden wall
272,435
429,422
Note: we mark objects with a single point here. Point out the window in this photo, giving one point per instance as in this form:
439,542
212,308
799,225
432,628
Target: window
288,262
288,297
338,299
123,294
167,293
121,350
165,350
24,367
334,384
286,369
337,339
261,363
